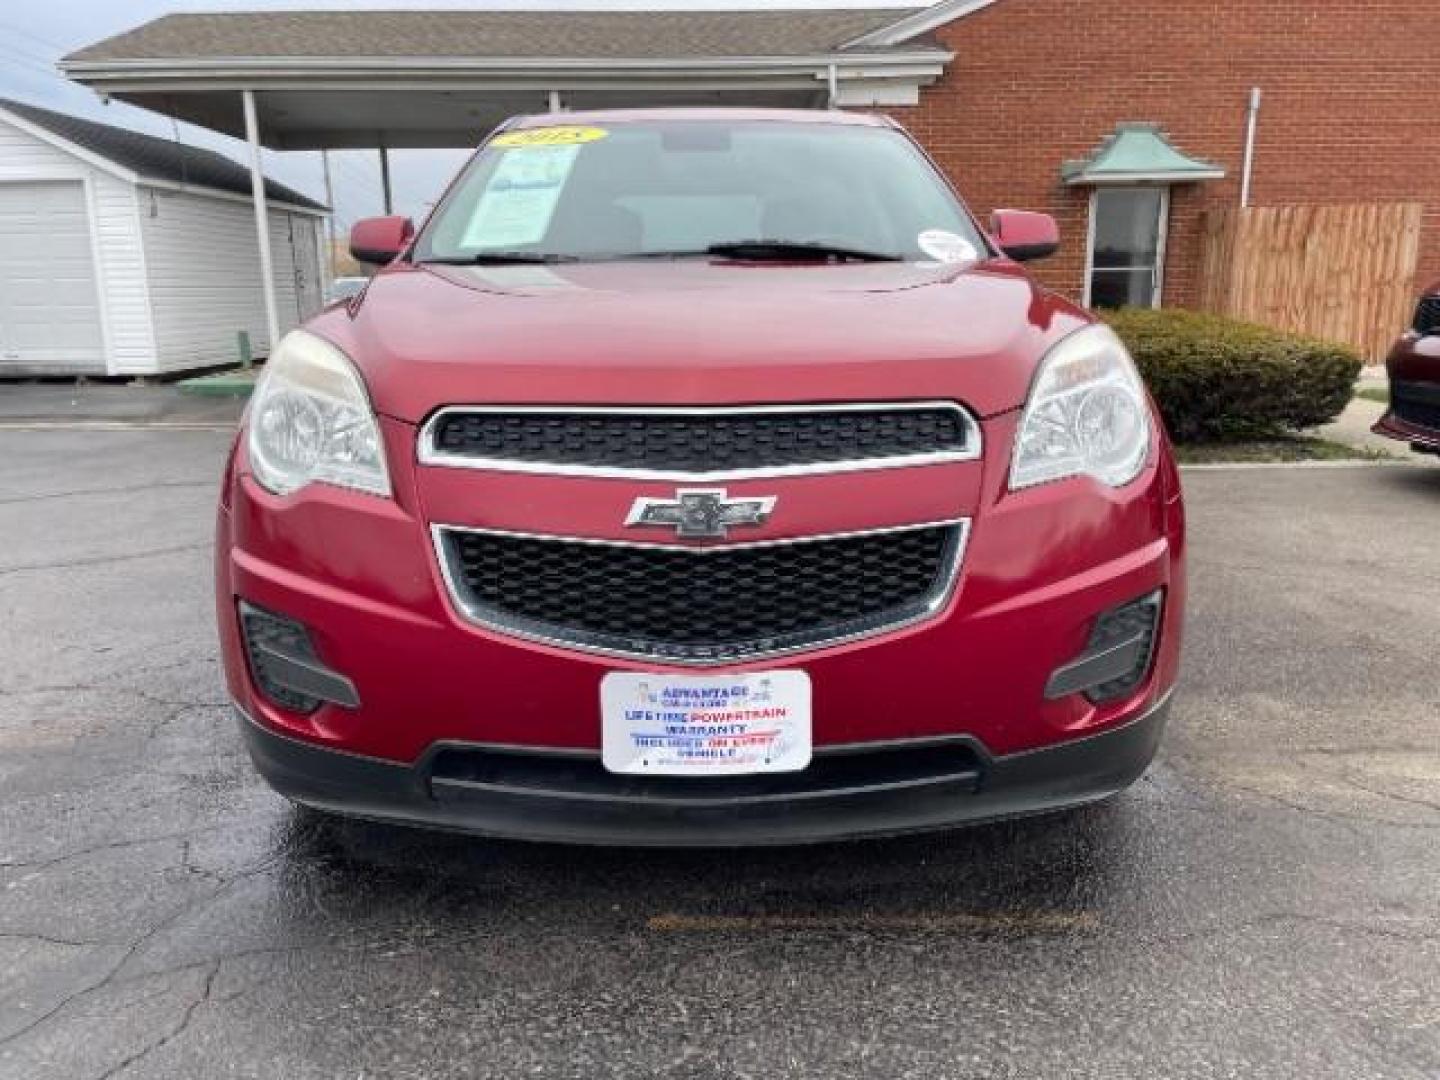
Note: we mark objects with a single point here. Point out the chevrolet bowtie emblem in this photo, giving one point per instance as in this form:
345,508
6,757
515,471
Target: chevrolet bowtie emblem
697,513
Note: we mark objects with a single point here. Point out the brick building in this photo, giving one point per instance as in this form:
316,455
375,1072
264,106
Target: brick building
1349,92
1026,103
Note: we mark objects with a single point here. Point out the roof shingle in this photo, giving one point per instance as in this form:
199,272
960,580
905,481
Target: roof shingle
154,158
518,34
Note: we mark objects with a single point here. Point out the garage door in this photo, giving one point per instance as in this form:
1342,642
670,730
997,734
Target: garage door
49,306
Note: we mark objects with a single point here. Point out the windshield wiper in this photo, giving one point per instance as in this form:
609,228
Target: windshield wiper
797,249
500,258
732,249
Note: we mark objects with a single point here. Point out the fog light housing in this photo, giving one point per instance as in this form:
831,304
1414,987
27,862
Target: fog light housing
1118,655
284,664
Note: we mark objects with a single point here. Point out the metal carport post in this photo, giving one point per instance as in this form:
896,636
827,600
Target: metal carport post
262,221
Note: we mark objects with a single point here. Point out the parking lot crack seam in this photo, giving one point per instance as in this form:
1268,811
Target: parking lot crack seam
1365,749
25,935
1008,922
129,691
188,864
1408,800
1391,933
231,957
112,845
110,976
1347,820
104,560
212,970
129,489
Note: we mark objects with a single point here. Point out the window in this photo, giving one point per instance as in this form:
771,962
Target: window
1127,246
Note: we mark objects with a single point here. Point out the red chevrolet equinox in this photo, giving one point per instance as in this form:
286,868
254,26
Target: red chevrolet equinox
701,477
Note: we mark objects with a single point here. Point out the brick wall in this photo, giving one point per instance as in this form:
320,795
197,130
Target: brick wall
1351,111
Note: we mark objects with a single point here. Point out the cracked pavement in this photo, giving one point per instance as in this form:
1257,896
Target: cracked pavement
1262,905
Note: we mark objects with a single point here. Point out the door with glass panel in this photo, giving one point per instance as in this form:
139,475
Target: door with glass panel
1127,247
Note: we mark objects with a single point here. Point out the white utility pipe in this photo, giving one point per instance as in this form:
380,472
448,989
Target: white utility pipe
834,74
1251,123
262,220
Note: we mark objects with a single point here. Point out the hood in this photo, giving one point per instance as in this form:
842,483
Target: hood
698,332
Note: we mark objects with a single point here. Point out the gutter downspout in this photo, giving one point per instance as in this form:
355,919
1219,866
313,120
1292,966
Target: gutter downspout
1251,123
834,76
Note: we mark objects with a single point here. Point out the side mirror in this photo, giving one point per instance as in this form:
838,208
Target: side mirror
1025,236
378,240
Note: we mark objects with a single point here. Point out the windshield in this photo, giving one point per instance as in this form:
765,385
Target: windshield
647,189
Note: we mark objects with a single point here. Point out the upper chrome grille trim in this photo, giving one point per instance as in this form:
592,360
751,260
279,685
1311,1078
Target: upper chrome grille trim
430,453
600,646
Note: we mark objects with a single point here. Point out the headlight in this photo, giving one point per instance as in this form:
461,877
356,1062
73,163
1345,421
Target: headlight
1087,415
311,421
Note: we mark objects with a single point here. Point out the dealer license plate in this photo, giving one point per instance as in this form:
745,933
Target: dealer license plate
705,725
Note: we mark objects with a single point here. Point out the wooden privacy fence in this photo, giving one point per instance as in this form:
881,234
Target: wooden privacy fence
1342,273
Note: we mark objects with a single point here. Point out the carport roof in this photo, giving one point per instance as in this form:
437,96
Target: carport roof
535,34
152,158
416,78
319,80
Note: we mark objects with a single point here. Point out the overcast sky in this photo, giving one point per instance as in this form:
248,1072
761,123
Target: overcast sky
34,34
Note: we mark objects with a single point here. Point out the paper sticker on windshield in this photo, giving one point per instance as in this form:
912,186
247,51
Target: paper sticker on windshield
550,136
946,247
520,198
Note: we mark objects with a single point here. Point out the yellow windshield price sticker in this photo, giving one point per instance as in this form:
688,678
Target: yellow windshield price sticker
551,136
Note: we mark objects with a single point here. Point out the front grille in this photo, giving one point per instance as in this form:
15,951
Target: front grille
701,605
1427,316
682,443
1416,403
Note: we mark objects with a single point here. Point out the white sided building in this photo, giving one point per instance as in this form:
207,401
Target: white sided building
127,254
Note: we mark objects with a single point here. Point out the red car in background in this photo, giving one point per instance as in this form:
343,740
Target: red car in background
1414,370
701,477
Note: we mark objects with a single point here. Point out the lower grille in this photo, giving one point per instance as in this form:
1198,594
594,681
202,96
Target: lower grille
284,664
457,772
1135,623
701,605
266,637
1416,403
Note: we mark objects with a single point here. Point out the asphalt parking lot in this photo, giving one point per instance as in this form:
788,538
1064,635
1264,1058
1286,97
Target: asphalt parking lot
1263,904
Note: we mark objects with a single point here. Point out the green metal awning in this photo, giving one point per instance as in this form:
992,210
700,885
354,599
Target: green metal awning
1138,153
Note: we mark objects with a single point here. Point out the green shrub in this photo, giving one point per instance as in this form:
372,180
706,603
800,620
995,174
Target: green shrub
1216,378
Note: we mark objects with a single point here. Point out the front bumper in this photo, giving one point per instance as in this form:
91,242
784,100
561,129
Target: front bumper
1420,438
1040,568
1414,372
1013,785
